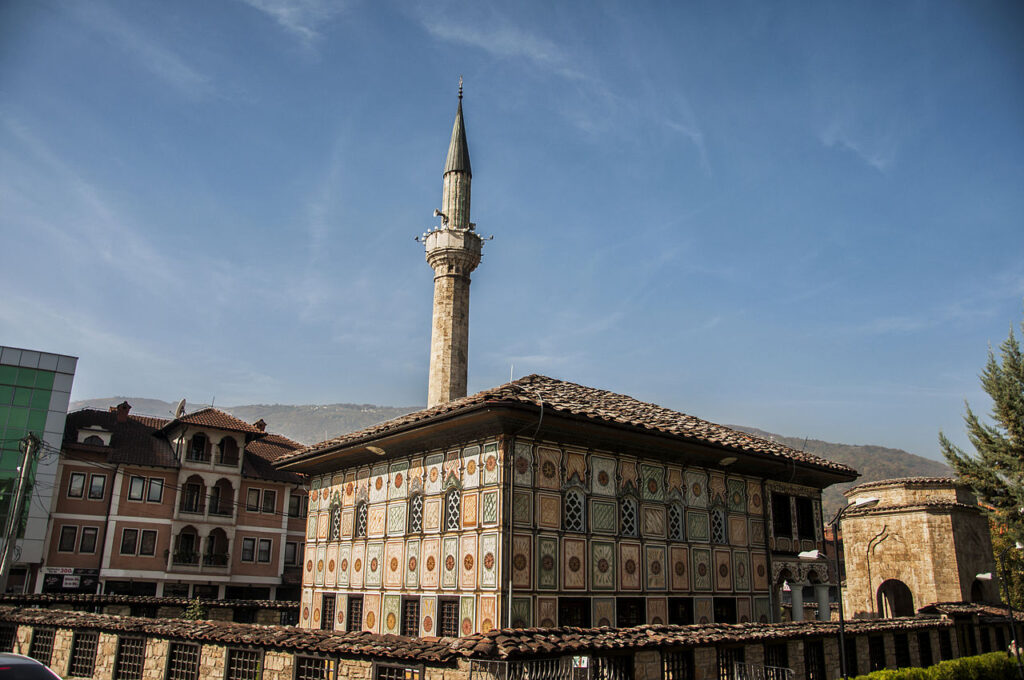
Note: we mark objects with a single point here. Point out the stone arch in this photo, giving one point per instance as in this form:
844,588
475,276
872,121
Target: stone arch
979,591
894,599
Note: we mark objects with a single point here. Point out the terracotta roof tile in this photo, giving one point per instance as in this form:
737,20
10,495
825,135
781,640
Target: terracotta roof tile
133,442
935,505
593,404
215,418
260,455
30,599
905,481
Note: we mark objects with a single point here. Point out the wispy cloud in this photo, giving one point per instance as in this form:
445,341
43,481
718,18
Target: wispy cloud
878,148
301,18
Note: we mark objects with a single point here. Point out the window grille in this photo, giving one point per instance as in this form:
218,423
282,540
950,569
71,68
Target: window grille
627,517
675,522
945,644
361,519
355,613
41,647
618,667
573,515
7,635
411,617
83,654
327,612
391,672
851,656
727,658
449,618
776,656
336,523
183,662
814,659
718,532
876,652
314,668
902,648
924,648
416,514
131,654
452,506
677,665
244,664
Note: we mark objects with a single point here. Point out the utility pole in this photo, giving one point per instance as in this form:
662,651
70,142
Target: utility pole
29,445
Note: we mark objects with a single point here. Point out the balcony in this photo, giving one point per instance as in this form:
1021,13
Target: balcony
216,560
185,559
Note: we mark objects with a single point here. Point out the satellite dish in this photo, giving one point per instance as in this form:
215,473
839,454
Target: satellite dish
180,410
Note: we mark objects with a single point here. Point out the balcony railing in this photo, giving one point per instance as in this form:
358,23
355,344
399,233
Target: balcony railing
221,511
215,560
185,558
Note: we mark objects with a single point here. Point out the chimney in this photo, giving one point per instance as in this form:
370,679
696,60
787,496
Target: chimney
122,411
260,425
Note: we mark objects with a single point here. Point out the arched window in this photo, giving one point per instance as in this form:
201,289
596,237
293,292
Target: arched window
574,515
228,451
452,507
627,516
416,513
361,518
719,531
197,447
335,522
676,531
93,440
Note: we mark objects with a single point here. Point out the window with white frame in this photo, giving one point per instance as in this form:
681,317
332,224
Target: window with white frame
76,485
136,488
129,541
155,492
68,536
147,543
291,553
87,543
252,500
248,549
269,500
97,485
263,550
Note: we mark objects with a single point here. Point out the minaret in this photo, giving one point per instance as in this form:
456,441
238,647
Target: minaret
453,251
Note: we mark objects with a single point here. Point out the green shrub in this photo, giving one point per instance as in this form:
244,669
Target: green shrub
994,666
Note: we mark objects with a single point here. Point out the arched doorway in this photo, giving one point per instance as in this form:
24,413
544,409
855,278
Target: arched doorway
978,591
894,599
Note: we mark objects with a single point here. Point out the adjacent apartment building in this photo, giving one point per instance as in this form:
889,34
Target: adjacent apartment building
190,506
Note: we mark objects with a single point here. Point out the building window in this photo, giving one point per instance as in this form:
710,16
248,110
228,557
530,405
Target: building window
76,485
360,518
183,661
678,665
676,532
314,668
263,551
355,613
851,656
574,611
298,504
68,535
191,498
728,657
901,646
627,516
814,660
411,617
252,500
197,448
83,654
41,647
452,508
248,549
335,522
630,611
449,617
269,501
876,652
393,672
244,664
945,644
782,516
131,652
97,485
291,552
327,612
416,513
776,656
228,451
718,527
155,494
924,648
573,515
7,636
136,488
129,541
87,544
147,543
805,518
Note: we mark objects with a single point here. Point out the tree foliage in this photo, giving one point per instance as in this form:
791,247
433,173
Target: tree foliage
995,471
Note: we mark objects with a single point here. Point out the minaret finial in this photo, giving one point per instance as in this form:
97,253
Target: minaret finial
460,87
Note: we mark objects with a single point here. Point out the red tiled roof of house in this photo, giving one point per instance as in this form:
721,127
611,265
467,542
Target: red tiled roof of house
217,419
566,398
261,453
131,442
906,481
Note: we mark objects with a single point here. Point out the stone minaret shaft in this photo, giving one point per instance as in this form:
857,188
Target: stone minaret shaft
453,251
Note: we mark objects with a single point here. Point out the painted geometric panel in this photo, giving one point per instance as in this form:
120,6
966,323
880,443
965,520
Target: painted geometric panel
321,526
547,563
340,610
602,566
467,615
489,561
467,562
489,508
743,609
603,517
716,488
392,610
488,613
415,475
523,475
522,508
321,557
522,616
471,465
680,569
358,564
377,515
604,611
759,571
450,562
470,506
654,521
317,606
430,563
549,468
657,610
698,526
399,479
451,467
703,609
346,523
490,464
331,575
547,612
696,489
314,493
756,532
432,473
428,605
754,503
629,566
311,526
371,613
674,481
522,560
723,570
741,569
396,519
344,563
737,530
362,483
602,475
652,482
574,561
654,563
379,483
762,609
549,510
374,564
348,496
307,573
576,468
393,564
737,490
628,476
432,514
412,563
700,571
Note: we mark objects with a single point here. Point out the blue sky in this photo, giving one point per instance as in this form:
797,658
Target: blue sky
805,217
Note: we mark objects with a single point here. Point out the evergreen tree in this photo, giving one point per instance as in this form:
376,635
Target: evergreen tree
995,471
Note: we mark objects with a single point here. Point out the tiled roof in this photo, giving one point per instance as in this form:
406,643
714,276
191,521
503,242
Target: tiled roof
933,505
596,405
215,418
905,481
261,454
99,600
132,442
982,609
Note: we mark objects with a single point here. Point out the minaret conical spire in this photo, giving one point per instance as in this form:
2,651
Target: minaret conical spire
458,148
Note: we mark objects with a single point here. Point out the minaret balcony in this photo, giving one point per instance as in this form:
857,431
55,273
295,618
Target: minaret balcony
447,247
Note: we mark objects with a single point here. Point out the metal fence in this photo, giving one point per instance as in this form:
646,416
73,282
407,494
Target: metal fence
617,667
756,671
